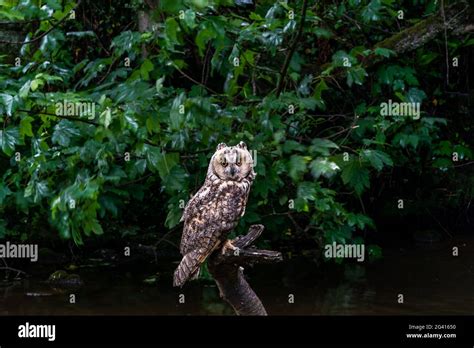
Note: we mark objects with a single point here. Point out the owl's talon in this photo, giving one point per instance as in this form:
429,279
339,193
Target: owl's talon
228,245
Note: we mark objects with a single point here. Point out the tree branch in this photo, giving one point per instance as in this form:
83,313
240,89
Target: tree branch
459,19
457,15
292,50
60,116
43,34
225,265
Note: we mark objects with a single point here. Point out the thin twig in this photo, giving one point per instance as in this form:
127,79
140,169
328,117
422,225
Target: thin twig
439,223
292,50
60,116
12,269
8,268
464,164
108,71
43,34
135,181
193,80
27,21
445,41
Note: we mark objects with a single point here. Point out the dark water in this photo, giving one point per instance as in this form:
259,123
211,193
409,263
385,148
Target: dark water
431,280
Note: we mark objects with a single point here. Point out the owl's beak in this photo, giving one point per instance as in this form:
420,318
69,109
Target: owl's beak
232,171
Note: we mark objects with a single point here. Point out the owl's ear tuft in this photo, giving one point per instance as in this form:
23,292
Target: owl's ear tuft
242,145
221,146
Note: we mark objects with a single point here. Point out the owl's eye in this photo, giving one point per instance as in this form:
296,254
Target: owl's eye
224,163
238,163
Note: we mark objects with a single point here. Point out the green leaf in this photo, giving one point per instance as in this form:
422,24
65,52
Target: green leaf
25,126
343,59
37,189
301,205
356,176
321,166
290,146
7,101
377,158
174,176
384,52
360,221
171,30
372,11
106,117
166,162
442,163
8,139
162,162
63,132
153,124
374,251
152,155
159,85
176,117
306,190
25,90
174,215
338,235
96,227
206,34
4,192
404,140
322,33
190,19
415,95
109,203
35,84
145,69
297,165
322,146
356,75
322,86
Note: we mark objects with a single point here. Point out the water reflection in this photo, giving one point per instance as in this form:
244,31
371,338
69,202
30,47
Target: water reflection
432,281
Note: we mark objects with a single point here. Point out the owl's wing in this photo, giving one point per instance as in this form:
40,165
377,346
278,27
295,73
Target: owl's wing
200,199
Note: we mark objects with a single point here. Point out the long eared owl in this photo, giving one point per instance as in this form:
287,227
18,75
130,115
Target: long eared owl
215,209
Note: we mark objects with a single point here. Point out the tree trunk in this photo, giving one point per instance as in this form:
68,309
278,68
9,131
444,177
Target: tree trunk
145,21
226,266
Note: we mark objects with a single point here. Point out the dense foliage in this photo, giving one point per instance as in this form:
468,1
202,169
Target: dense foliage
329,167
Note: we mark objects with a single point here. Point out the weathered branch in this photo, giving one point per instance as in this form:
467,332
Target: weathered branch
459,20
226,266
458,17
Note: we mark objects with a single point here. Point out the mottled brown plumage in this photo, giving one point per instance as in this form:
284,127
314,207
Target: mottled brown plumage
215,209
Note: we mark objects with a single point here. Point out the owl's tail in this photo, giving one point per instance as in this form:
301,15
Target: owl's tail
188,268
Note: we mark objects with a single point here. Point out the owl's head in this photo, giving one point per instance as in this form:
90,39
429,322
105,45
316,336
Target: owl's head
232,162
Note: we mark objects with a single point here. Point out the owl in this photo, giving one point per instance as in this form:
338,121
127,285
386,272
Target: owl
215,209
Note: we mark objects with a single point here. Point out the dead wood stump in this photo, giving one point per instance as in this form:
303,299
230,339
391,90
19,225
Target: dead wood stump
227,269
